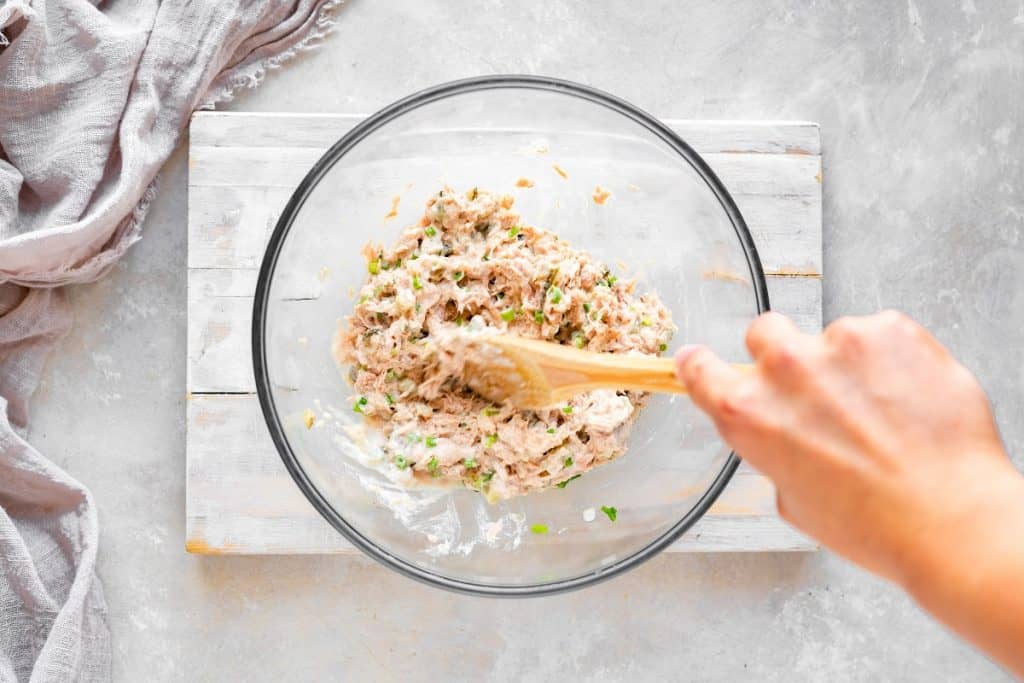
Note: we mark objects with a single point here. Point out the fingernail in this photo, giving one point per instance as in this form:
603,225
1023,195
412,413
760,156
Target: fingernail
685,352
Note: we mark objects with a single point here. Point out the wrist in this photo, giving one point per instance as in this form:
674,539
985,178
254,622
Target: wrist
970,579
971,535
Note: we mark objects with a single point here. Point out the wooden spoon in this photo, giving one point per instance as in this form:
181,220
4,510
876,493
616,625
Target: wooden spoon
532,374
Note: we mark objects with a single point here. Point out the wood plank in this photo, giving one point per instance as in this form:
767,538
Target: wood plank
229,225
242,170
258,129
229,533
244,166
241,499
775,175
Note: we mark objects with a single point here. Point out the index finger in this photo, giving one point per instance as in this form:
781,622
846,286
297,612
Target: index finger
769,330
707,378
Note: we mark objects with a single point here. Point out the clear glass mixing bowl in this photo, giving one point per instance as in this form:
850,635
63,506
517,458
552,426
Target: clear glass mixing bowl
669,222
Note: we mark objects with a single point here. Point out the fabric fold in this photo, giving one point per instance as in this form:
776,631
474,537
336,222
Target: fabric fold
93,100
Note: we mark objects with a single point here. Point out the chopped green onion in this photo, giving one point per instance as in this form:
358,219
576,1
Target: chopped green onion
513,231
391,375
485,257
373,266
551,430
460,321
555,294
469,463
363,299
567,462
431,441
457,275
578,341
610,511
611,280
508,314
432,466
416,282
586,307
490,440
430,231
538,317
390,399
400,462
487,476
645,321
563,484
358,405
539,529
662,347
567,410
491,411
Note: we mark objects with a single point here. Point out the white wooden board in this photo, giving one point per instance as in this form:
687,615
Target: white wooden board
242,169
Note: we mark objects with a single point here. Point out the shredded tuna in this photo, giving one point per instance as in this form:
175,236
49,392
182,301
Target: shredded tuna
471,261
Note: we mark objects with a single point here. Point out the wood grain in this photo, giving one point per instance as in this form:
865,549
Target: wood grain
242,169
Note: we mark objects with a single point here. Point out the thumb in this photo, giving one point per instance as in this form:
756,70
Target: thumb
707,377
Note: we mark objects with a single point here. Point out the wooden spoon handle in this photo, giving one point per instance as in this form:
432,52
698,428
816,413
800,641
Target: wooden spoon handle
570,371
584,371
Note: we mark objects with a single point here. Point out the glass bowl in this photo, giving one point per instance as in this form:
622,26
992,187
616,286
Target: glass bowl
669,223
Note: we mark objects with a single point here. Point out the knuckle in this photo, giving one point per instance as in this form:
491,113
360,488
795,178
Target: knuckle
695,367
891,316
736,404
842,328
759,329
692,370
724,406
768,425
846,334
781,358
727,430
965,381
754,332
894,321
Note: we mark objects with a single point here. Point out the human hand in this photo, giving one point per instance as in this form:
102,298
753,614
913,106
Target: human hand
880,444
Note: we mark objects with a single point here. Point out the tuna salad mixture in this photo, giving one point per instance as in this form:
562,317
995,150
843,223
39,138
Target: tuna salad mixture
471,261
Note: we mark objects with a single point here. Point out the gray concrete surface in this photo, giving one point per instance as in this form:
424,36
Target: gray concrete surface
920,106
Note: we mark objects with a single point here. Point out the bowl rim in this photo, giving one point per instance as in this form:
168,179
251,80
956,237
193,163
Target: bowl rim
261,300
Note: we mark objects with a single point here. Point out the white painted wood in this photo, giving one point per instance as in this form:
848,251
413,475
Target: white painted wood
282,129
243,167
229,224
237,191
241,499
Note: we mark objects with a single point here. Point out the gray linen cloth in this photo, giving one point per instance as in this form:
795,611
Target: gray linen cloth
93,98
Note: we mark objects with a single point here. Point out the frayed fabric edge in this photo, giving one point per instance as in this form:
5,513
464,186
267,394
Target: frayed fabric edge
10,12
250,76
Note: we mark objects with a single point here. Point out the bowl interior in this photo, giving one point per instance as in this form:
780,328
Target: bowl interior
663,225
